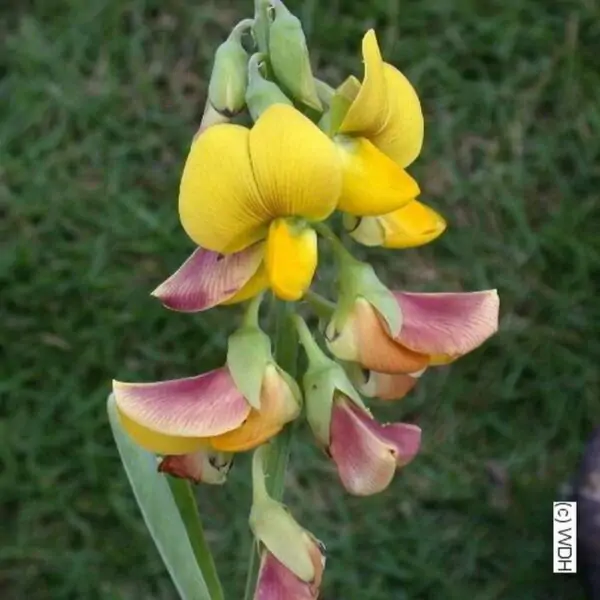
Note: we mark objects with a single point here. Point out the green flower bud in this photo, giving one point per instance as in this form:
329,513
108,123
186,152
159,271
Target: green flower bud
261,92
227,87
289,56
273,525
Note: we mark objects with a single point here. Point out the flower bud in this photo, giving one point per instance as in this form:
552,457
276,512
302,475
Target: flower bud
274,527
261,93
227,87
289,56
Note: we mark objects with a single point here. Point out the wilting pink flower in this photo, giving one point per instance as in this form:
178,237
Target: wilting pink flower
436,329
203,466
207,279
367,453
184,416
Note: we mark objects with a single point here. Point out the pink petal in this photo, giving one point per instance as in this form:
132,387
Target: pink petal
276,582
208,278
201,406
202,466
447,324
366,452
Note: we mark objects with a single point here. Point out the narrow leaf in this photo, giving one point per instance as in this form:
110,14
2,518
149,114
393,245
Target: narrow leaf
160,513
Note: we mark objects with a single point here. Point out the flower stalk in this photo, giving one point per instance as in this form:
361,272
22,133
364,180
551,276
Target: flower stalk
286,355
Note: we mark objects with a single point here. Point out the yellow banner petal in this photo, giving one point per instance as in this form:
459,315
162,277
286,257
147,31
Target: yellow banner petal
291,258
295,165
372,183
368,112
219,203
401,138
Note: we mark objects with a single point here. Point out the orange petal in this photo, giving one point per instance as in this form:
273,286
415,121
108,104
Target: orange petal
365,339
386,386
278,406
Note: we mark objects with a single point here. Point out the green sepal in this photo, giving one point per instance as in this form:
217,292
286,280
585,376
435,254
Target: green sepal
358,280
321,383
261,93
248,355
289,58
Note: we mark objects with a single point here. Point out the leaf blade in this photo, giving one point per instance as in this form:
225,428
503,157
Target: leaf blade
160,512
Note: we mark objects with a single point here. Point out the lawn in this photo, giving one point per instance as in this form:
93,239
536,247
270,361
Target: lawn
98,103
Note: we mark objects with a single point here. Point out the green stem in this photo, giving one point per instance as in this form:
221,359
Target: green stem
188,508
286,355
250,318
313,352
341,252
322,307
261,24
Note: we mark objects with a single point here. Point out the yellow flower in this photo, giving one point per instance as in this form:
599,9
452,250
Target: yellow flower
241,185
378,130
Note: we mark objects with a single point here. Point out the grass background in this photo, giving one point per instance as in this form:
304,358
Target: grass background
98,102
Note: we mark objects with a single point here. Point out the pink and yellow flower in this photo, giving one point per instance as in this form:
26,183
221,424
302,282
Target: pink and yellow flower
435,329
184,416
365,452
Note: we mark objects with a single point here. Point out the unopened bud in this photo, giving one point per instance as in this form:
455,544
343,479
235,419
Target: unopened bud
227,87
289,56
261,93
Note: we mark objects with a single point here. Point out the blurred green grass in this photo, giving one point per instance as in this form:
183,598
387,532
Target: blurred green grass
98,102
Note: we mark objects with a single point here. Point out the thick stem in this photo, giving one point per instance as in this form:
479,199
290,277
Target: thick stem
286,355
188,508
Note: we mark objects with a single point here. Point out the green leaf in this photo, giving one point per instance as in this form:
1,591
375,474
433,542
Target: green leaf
160,512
